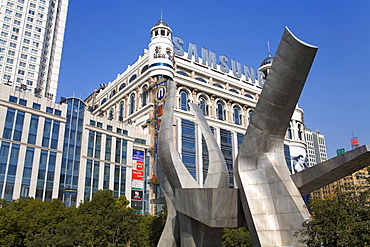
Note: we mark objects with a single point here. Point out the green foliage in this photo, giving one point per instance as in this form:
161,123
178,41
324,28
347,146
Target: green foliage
339,220
103,221
238,237
30,222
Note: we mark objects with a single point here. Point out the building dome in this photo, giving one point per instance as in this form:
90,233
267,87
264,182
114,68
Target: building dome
266,61
159,23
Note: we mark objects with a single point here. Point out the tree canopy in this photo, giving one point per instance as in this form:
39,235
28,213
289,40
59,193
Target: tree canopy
103,221
342,219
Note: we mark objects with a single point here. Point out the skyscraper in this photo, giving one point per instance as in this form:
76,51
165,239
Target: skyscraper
316,148
31,41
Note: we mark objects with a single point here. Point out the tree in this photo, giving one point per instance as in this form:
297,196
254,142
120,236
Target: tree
30,222
103,221
237,237
107,221
342,219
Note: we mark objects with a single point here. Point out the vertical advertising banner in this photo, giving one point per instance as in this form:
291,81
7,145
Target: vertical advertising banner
137,180
298,159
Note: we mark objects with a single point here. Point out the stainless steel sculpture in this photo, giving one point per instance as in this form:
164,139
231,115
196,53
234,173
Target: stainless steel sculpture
271,200
273,206
196,216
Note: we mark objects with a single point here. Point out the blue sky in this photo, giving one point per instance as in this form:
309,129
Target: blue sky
103,37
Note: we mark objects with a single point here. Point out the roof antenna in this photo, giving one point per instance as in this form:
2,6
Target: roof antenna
161,16
268,48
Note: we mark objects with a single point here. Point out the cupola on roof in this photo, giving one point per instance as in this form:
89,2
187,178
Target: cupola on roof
161,23
267,60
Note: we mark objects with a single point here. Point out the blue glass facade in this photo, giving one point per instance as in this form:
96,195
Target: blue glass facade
13,125
71,156
27,172
188,147
227,151
50,150
45,176
9,154
239,138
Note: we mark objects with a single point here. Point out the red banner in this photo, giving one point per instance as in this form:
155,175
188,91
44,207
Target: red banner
138,175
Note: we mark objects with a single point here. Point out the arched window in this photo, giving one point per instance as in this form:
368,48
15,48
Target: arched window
132,78
122,86
200,79
111,114
182,73
132,103
103,101
237,116
220,111
184,101
248,96
145,68
203,105
289,132
218,85
144,95
250,115
112,93
234,91
121,109
300,134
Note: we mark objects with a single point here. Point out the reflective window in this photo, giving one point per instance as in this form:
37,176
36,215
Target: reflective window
132,103
203,105
144,95
220,111
227,151
250,115
110,115
182,73
188,149
121,111
145,68
132,78
122,86
218,85
237,116
200,79
184,101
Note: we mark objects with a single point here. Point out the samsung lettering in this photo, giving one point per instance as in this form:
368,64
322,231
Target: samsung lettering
224,64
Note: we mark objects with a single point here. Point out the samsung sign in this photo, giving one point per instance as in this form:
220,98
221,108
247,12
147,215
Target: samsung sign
209,59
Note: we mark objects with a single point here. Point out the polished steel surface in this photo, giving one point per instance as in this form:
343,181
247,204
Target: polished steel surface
272,203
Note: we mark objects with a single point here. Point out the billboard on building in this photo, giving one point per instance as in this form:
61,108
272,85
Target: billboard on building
137,185
298,159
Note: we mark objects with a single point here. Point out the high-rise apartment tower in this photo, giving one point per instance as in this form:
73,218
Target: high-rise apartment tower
31,41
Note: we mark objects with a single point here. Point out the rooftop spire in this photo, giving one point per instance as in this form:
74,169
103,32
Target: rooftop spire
161,16
268,48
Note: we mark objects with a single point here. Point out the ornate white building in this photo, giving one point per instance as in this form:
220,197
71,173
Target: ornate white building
226,91
108,141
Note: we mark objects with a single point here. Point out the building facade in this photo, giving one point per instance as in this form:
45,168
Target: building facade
59,150
31,41
225,90
316,148
71,149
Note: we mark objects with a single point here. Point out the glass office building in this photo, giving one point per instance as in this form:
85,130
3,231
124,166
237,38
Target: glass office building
59,150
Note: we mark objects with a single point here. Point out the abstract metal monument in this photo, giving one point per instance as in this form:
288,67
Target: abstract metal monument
267,198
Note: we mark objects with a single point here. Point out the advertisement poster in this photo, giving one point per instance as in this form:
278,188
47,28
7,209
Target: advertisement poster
137,185
298,159
136,194
137,175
